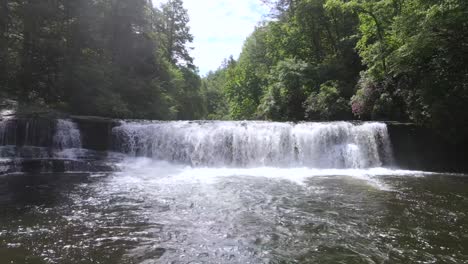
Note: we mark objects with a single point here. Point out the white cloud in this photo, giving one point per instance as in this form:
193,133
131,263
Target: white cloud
220,28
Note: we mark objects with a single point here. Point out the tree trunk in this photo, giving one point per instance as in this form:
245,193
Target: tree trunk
26,73
4,21
380,35
4,18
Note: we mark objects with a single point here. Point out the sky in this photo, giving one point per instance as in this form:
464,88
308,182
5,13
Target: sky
220,28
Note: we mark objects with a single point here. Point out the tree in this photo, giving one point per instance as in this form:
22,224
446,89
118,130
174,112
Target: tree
328,104
212,88
104,57
290,81
175,26
4,22
247,78
415,53
285,61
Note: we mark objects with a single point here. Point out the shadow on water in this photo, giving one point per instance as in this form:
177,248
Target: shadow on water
26,207
24,190
55,218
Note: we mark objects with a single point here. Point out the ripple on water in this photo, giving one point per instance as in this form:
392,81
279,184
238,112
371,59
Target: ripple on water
154,212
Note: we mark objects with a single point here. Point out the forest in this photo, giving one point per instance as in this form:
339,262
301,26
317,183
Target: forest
401,60
114,58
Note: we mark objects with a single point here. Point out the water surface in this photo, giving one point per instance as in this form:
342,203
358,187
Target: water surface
157,212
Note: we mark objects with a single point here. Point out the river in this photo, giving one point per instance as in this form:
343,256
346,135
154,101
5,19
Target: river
235,192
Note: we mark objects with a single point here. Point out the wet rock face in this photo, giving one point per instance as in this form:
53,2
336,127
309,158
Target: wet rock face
37,132
96,132
419,148
54,165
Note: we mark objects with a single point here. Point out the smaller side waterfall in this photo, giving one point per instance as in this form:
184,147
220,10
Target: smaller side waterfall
26,138
38,139
67,135
67,140
41,145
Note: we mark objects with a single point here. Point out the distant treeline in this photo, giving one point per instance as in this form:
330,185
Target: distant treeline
401,60
118,58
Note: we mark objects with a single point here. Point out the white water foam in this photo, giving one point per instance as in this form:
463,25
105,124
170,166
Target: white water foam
67,135
141,170
253,144
67,140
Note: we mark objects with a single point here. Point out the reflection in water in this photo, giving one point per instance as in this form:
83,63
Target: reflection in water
155,212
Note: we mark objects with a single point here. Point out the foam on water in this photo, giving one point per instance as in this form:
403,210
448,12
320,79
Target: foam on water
148,170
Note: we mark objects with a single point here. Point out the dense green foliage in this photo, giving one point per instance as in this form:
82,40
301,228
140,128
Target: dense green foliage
302,60
312,60
345,59
120,58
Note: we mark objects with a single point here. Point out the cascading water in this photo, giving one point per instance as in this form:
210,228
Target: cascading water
60,134
67,140
39,145
25,138
248,144
67,135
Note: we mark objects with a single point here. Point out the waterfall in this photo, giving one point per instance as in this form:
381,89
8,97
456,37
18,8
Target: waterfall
38,139
67,135
67,140
61,135
248,144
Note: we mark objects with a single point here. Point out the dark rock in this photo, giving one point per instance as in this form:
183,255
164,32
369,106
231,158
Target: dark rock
36,132
420,148
51,165
96,132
